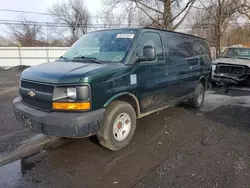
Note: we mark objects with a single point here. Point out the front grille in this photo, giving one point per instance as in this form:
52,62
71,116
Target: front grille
37,87
236,70
224,69
43,95
230,69
36,103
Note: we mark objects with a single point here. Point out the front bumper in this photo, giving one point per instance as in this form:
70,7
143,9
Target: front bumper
62,124
222,79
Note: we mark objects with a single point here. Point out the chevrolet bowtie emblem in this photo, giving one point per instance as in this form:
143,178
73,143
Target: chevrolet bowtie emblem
32,94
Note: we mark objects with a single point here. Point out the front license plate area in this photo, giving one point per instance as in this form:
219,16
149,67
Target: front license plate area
27,122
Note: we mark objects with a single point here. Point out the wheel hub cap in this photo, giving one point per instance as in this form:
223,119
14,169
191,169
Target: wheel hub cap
122,126
119,125
200,96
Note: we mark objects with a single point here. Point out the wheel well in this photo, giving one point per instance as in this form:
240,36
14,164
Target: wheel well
132,100
203,81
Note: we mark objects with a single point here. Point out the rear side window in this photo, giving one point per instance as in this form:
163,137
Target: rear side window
202,50
179,48
153,39
183,48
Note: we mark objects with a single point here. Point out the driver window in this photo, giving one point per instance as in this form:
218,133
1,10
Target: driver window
152,39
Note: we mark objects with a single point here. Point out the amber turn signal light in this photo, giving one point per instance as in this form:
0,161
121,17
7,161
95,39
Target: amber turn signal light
71,106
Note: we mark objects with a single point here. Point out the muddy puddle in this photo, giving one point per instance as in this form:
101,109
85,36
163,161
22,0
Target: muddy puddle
13,172
10,173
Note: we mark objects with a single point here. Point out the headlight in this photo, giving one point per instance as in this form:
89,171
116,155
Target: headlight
71,92
76,93
72,98
213,67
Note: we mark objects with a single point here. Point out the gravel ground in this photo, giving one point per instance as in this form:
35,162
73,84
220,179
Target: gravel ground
177,147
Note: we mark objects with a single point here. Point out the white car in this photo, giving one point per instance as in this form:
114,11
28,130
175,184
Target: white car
232,68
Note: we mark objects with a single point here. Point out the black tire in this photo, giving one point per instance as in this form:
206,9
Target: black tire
247,82
106,136
196,101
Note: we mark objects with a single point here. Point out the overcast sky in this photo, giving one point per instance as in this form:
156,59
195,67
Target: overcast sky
94,6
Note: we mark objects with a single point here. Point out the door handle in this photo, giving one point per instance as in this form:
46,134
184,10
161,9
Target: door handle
166,70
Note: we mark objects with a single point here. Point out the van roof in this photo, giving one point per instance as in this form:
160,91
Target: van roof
140,28
172,32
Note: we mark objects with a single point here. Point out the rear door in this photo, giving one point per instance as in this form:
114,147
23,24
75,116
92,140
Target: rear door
179,55
201,67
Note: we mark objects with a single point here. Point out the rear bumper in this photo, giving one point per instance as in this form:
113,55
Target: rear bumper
63,124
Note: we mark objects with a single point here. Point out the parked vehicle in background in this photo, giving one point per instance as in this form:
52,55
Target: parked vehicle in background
110,78
232,68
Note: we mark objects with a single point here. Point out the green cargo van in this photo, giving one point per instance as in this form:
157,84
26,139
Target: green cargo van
110,78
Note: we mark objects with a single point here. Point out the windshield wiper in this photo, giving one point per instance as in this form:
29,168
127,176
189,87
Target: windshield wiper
92,59
64,58
243,58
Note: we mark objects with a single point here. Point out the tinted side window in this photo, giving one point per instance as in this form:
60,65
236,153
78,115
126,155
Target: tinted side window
201,49
179,47
152,39
183,48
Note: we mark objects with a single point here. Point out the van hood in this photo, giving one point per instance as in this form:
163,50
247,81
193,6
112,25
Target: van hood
60,72
233,61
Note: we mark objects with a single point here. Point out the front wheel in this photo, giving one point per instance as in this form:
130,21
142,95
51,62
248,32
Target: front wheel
199,95
118,126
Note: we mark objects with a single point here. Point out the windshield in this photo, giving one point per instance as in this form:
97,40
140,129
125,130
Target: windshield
240,53
106,46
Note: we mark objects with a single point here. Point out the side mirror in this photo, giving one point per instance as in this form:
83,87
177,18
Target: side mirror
148,54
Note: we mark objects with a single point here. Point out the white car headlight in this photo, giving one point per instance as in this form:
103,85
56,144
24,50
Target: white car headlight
213,67
71,92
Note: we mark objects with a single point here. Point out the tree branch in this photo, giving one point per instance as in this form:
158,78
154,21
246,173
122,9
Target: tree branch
184,17
149,16
148,7
190,2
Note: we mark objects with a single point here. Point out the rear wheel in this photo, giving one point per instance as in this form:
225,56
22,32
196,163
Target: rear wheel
118,126
199,95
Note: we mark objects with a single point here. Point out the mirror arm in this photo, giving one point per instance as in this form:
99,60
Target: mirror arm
141,58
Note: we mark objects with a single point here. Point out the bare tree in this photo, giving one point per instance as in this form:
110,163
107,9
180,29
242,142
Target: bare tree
5,41
215,16
245,8
109,19
130,18
26,33
238,35
73,15
167,14
201,25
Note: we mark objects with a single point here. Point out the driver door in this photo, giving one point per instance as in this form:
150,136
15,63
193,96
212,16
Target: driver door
148,71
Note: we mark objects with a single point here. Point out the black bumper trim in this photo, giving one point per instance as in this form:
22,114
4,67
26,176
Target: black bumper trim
63,124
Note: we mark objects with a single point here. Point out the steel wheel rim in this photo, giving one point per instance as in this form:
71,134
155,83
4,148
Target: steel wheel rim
200,96
122,126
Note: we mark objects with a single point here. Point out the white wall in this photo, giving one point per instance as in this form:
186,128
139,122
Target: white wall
13,56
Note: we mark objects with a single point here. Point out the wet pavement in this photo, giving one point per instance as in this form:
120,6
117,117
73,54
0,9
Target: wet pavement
12,134
177,147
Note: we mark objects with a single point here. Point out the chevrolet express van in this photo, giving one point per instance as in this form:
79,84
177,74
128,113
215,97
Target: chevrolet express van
108,79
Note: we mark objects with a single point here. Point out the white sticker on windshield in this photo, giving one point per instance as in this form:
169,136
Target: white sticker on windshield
125,36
